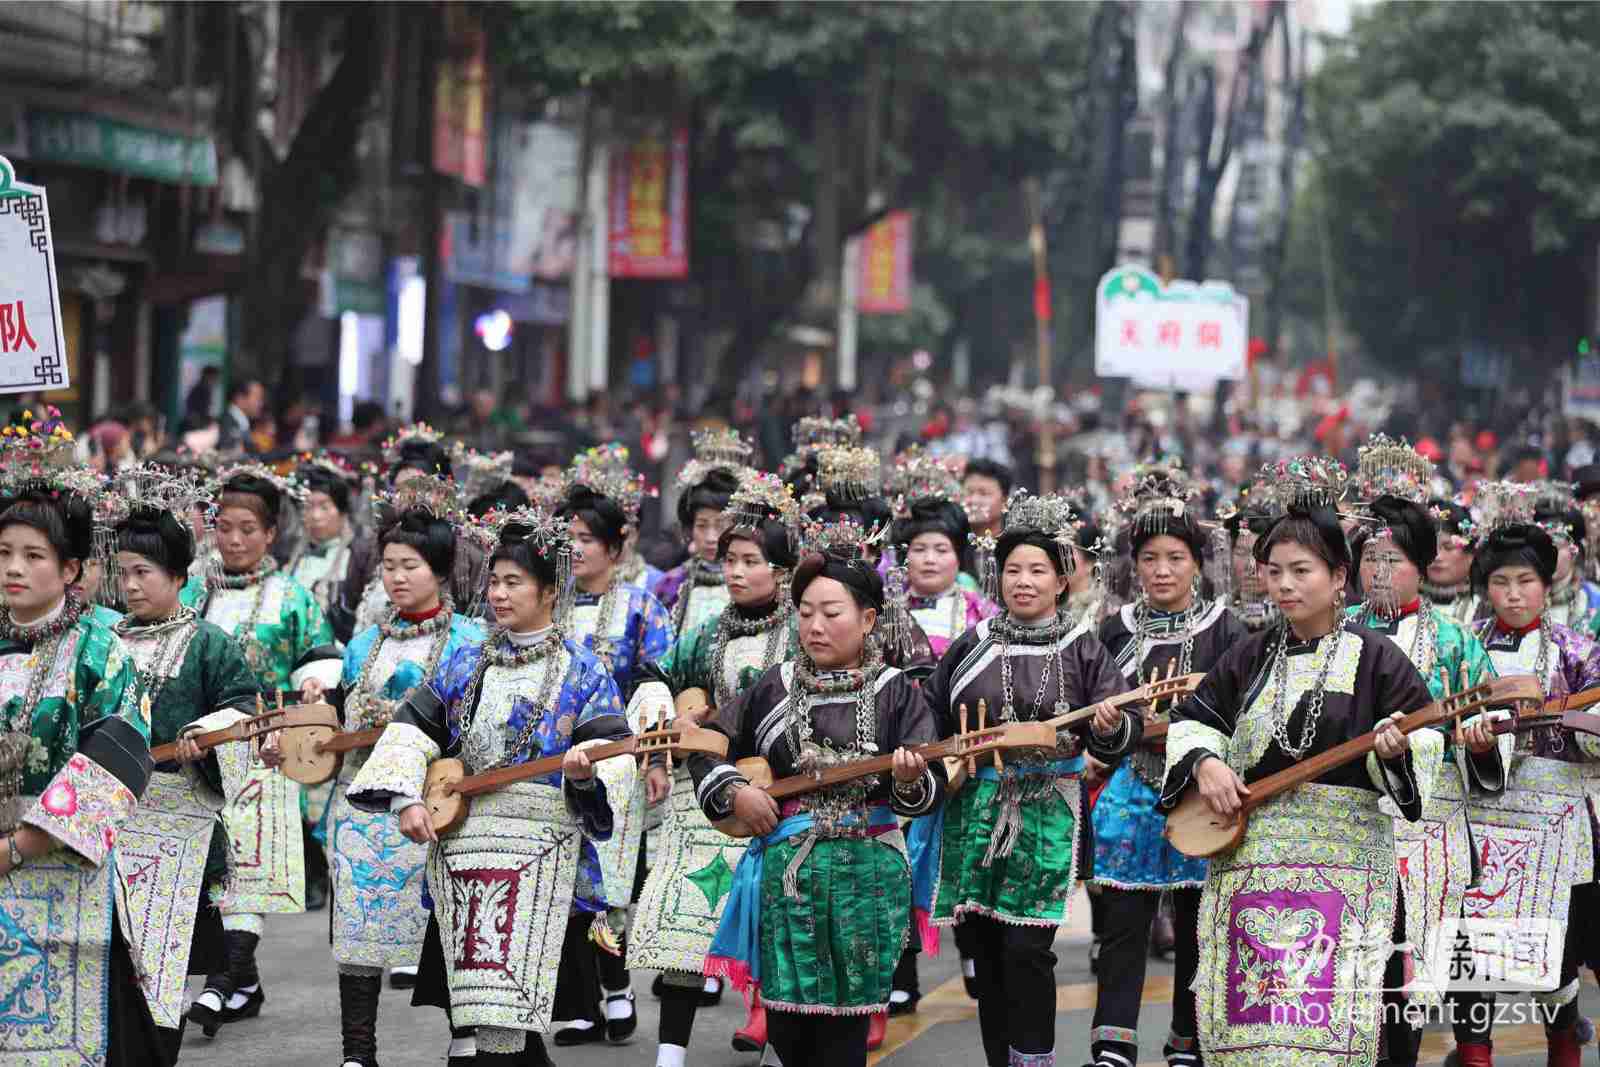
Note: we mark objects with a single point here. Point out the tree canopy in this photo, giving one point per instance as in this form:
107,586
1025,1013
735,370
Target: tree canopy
1457,146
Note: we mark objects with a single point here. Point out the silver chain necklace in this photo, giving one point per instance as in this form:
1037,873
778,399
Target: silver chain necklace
1142,630
1424,642
363,708
172,641
1280,682
1008,632
46,644
861,680
732,625
498,651
602,646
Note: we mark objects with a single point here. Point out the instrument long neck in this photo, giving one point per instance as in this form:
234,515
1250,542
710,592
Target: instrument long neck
239,731
1315,767
489,781
841,773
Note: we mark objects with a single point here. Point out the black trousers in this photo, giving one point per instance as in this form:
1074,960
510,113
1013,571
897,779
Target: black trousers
1575,952
1125,919
1016,977
1471,1012
823,1040
578,975
678,1007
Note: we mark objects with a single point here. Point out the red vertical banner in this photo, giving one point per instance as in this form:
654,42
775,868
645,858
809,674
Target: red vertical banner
648,213
460,120
886,266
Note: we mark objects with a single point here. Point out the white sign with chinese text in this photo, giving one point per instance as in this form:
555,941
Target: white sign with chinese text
33,349
1175,336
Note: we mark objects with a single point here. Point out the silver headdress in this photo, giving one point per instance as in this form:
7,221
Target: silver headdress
1387,467
848,472
549,535
715,449
915,475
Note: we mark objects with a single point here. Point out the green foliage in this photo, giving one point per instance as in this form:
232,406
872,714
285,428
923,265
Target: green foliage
1457,149
559,46
964,99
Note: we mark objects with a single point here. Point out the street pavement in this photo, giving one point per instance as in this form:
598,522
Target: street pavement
299,1024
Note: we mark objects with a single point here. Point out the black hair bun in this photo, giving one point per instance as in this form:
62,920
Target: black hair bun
269,494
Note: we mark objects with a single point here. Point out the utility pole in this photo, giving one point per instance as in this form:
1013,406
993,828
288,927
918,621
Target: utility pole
1041,318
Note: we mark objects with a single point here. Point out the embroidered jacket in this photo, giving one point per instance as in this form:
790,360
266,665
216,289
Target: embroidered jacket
288,623
756,726
89,758
1230,715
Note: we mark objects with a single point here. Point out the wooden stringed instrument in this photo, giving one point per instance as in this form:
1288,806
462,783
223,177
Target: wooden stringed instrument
1168,688
448,790
312,753
1195,830
1570,708
300,715
963,746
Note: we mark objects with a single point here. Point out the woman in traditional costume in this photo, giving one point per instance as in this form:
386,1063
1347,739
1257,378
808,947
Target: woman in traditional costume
821,902
1169,630
377,874
1315,877
1246,521
1545,798
321,561
627,630
192,678
724,656
1013,841
74,763
607,466
416,451
526,692
277,624
848,488
1449,583
930,537
1573,602
694,592
1394,545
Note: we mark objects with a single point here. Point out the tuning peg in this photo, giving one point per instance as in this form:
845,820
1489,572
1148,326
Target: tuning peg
971,763
983,711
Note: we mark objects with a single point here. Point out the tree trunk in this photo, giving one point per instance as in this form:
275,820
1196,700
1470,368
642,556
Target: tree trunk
299,198
1171,172
1198,247
1198,251
1123,98
1294,136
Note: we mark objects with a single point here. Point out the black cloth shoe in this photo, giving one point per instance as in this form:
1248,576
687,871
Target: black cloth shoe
402,979
239,949
568,1036
620,1030
904,1007
711,1000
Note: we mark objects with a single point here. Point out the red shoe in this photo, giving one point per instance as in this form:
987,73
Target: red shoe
1564,1048
877,1027
752,1036
1475,1054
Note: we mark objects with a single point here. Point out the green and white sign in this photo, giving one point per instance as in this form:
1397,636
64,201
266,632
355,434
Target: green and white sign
33,346
86,140
1177,336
